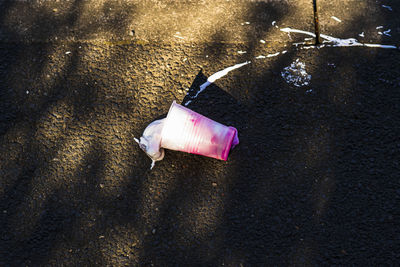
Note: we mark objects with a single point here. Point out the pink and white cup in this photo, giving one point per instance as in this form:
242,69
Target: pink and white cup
188,131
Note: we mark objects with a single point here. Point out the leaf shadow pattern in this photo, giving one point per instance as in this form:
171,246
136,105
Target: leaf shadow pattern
303,187
41,121
300,187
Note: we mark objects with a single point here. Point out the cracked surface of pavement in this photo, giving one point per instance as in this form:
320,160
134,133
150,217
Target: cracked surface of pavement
314,180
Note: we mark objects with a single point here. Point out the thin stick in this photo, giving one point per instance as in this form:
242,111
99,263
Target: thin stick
316,23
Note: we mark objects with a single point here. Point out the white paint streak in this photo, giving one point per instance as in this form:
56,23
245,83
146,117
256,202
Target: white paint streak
387,7
177,36
273,55
341,42
337,19
381,46
224,72
242,52
289,30
217,76
337,42
387,32
379,27
269,55
301,43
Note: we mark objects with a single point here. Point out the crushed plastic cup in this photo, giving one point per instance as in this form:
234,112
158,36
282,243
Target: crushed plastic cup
151,139
188,131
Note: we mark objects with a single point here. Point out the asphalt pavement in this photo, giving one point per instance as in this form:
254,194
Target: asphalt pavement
315,179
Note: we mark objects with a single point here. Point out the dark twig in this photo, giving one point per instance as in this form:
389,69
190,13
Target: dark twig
316,23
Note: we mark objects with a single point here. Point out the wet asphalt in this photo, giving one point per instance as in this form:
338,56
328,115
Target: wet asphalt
315,179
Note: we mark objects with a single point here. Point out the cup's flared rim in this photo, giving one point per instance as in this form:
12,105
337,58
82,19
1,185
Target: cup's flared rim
233,132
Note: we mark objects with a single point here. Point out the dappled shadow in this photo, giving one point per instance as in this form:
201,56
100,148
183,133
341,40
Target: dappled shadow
49,124
313,180
301,186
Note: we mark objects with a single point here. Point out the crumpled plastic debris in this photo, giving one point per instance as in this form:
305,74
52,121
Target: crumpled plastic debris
187,131
150,142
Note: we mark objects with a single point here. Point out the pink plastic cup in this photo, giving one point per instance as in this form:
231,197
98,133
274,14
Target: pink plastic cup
188,131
